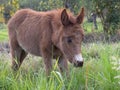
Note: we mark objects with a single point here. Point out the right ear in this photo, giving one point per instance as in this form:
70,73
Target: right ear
65,18
80,16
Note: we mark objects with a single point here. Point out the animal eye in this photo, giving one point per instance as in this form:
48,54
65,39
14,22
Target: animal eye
69,40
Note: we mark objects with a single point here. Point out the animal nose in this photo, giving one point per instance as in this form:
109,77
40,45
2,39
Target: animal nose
78,60
79,64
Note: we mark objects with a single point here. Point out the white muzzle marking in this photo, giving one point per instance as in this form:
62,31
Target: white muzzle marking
79,58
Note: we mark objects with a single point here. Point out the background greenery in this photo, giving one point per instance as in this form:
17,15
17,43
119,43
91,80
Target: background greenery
3,33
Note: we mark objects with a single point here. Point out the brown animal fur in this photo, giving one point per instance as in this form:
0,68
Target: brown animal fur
41,33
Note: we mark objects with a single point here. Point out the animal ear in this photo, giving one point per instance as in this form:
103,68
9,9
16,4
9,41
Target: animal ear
65,18
80,17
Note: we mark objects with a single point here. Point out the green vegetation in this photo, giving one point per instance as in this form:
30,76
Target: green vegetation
89,27
3,33
108,12
101,71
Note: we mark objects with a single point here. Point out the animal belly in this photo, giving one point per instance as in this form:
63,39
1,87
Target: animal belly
30,44
31,48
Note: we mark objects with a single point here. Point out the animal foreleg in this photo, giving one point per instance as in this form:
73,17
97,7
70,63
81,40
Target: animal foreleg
47,62
63,65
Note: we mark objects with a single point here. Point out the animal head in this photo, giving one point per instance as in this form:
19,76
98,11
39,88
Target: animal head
70,37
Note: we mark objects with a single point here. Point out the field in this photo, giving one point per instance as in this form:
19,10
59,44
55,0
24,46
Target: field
3,33
101,71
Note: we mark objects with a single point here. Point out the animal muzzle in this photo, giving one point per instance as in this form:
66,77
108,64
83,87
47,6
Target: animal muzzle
78,60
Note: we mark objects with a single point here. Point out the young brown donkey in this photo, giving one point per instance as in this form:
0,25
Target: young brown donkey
48,34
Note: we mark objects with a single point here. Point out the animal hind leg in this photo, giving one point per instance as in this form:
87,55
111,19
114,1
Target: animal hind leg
17,53
22,56
17,58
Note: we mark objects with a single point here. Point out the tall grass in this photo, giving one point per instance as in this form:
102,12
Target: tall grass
101,71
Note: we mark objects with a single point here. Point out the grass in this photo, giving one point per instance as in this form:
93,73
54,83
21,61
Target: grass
89,27
3,33
101,71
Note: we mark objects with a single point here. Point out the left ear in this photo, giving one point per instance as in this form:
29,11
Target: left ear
80,17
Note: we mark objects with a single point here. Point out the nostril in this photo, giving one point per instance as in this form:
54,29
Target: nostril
79,64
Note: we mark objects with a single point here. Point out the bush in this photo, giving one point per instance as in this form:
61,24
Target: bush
41,5
108,11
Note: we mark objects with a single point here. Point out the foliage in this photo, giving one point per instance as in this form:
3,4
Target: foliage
88,27
41,5
74,5
88,4
108,11
8,8
50,4
33,4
